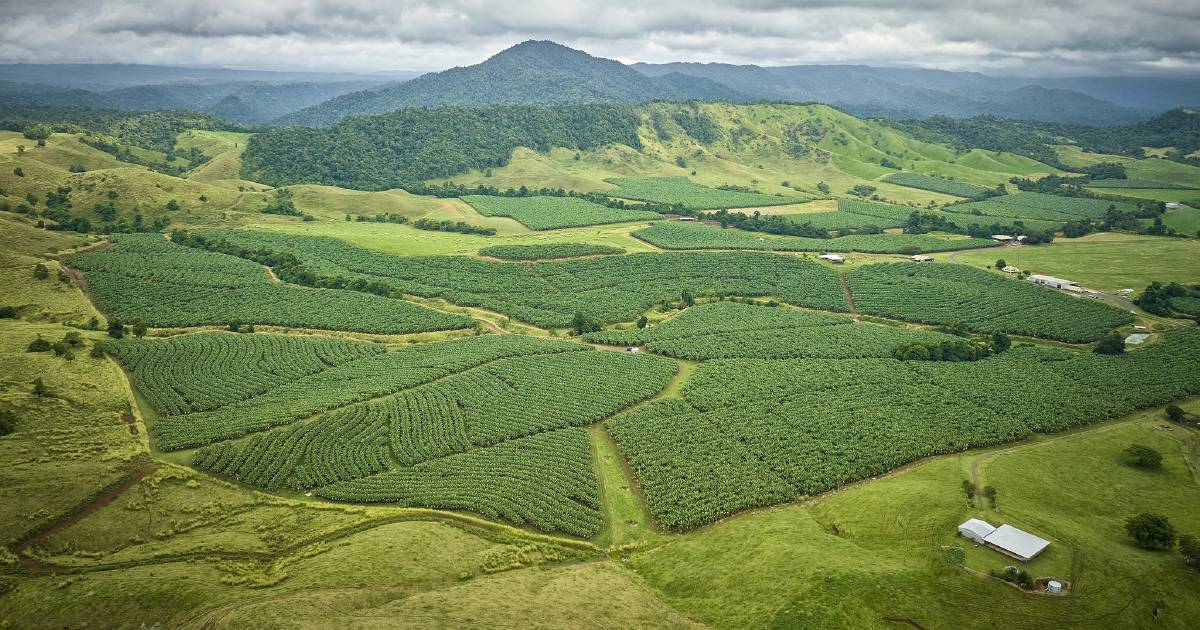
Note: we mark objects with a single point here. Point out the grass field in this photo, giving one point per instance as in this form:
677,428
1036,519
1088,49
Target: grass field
1108,262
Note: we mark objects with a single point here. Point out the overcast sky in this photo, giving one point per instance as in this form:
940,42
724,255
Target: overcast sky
993,36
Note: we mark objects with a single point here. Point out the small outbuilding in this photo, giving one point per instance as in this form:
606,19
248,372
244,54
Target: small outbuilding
921,258
1010,269
1136,339
976,530
1053,586
1171,205
1003,238
1016,543
633,349
687,218
833,258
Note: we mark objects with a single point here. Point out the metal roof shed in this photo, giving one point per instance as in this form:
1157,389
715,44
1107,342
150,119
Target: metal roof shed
1015,542
975,529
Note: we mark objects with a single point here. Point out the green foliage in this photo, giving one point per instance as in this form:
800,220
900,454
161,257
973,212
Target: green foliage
954,555
752,432
164,284
981,301
434,225
935,183
1144,456
8,422
40,272
149,130
1111,343
1040,206
1020,577
549,213
548,251
606,289
1189,548
8,312
1151,531
690,195
409,145
543,481
1175,413
729,330
39,344
353,381
683,235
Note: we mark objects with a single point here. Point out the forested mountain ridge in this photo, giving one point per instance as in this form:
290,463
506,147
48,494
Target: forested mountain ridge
530,73
249,102
546,73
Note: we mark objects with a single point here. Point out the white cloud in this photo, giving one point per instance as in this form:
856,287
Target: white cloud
998,36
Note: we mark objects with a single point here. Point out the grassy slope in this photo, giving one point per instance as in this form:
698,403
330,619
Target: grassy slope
1108,262
870,552
1152,170
856,148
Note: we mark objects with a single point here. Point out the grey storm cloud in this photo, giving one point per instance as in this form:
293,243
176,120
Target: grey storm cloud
1013,36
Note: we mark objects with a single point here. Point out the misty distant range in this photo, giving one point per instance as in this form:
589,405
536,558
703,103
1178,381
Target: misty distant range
546,73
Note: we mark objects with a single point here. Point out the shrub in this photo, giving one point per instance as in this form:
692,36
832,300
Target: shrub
1112,343
8,422
1145,456
8,312
38,345
1151,531
1174,413
1189,546
41,272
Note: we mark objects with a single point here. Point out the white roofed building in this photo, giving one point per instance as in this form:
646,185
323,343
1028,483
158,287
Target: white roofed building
833,258
1051,281
975,529
1017,543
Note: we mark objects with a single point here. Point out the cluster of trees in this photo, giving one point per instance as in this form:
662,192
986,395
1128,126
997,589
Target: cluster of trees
771,224
953,350
156,131
1178,129
452,226
1125,221
64,348
407,146
282,204
1157,298
925,222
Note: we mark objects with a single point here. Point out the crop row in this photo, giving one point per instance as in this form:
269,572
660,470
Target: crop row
756,432
548,251
1040,206
544,481
685,192
936,184
607,289
549,213
979,300
147,278
678,235
190,373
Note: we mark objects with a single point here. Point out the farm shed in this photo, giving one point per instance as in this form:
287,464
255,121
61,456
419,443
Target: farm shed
1171,204
1003,238
833,258
1016,543
975,529
1136,339
1051,281
921,258
687,218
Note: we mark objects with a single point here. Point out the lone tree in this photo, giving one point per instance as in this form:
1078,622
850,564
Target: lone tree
1000,342
38,345
1174,413
642,321
1000,264
990,493
1145,456
1151,531
39,388
1112,343
116,329
686,297
582,324
40,271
